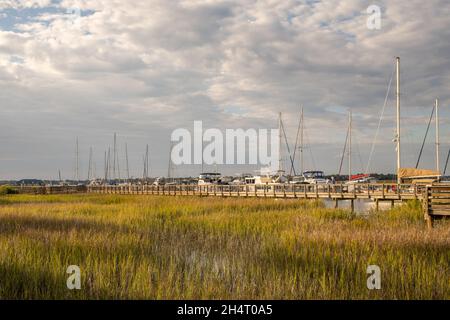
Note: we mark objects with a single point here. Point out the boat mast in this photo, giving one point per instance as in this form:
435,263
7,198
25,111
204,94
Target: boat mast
114,157
280,159
146,162
90,164
126,159
105,163
109,165
296,147
350,123
302,166
399,164
77,175
437,136
118,164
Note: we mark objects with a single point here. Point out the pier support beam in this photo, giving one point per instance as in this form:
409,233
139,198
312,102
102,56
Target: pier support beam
377,205
392,204
353,205
336,204
429,220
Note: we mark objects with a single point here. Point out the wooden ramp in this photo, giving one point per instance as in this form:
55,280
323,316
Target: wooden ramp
436,203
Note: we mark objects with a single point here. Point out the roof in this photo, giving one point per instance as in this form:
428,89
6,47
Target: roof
417,173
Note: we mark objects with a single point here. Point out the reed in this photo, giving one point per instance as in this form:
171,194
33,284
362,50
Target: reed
146,247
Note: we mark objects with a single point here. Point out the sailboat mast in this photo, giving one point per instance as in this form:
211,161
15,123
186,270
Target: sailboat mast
438,169
118,164
114,157
399,164
126,158
90,164
302,166
145,165
280,159
109,164
296,147
77,175
147,171
350,124
105,163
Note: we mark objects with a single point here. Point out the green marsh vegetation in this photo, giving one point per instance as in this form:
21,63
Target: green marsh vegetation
147,247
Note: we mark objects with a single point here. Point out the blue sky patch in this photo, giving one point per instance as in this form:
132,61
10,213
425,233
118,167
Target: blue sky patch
11,18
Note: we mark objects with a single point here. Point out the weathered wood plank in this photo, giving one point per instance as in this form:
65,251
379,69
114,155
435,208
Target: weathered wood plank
440,213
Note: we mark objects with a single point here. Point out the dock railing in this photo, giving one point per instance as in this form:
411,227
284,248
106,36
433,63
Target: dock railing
306,191
51,189
436,202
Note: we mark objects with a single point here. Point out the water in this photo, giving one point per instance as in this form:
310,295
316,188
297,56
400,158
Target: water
361,205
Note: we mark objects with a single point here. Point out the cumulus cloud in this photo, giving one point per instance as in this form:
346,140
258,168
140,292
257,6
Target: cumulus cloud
143,68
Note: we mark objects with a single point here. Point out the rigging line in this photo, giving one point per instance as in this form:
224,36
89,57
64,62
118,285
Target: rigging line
446,163
310,148
296,144
358,150
426,135
343,152
380,122
287,146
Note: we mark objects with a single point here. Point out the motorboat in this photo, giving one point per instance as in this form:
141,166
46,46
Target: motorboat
209,178
315,177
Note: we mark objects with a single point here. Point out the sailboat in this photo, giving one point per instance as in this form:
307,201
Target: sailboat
415,175
353,178
267,176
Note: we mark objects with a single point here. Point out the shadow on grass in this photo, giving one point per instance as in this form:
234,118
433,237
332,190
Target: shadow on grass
14,224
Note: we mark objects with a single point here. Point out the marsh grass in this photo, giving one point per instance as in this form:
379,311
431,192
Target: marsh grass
144,247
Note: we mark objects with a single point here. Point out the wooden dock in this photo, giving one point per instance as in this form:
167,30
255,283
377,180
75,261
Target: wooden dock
51,189
436,202
375,192
435,199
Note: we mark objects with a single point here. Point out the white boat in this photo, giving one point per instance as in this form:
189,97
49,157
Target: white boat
267,179
297,180
258,180
159,181
315,177
209,178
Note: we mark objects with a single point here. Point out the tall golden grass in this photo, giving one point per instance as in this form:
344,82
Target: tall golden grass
144,247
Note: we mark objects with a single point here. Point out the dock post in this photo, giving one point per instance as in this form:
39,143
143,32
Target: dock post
377,205
426,207
429,220
336,203
353,205
392,204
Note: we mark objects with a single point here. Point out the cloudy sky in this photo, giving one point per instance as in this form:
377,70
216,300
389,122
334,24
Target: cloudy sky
87,69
